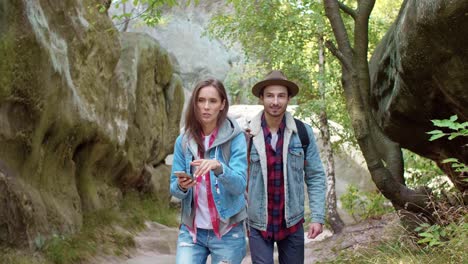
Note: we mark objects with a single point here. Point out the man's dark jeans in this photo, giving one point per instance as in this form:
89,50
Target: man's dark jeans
290,249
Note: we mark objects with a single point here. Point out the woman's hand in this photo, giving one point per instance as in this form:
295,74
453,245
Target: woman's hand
185,183
204,166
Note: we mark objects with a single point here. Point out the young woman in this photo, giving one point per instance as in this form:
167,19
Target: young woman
209,176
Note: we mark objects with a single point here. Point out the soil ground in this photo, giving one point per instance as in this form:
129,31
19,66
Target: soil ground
157,243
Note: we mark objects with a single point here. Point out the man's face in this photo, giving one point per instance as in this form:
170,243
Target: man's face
275,99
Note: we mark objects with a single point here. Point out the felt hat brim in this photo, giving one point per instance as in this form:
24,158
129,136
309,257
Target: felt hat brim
275,80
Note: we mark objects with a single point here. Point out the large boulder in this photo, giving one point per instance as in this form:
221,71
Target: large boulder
83,111
419,73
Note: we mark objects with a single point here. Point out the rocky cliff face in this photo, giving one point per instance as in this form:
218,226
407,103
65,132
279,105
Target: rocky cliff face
85,113
419,72
181,32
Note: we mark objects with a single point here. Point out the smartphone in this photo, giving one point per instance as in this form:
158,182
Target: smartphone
182,174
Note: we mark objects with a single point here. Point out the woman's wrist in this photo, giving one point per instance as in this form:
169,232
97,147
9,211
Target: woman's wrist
181,188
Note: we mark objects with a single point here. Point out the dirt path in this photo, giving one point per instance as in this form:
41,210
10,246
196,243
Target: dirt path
157,243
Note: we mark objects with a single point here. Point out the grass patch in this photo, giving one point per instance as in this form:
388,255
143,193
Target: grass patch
10,256
140,208
406,247
108,231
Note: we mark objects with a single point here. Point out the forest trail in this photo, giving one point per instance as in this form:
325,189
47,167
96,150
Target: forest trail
157,243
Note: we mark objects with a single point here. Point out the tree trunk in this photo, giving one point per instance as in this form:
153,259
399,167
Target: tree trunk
333,217
383,157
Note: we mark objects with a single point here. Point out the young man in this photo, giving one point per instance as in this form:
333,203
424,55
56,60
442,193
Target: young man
278,170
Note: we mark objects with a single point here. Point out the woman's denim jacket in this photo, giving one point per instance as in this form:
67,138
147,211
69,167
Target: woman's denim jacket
230,181
294,176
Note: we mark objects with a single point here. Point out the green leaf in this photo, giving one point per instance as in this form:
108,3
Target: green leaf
434,243
435,132
450,160
424,240
454,135
437,136
425,234
453,118
443,233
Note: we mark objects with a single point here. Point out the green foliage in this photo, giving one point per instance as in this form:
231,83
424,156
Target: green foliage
363,205
382,17
449,246
285,35
420,171
457,129
17,256
141,207
288,35
431,235
148,11
62,249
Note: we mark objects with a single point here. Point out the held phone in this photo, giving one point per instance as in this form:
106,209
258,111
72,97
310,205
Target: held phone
182,174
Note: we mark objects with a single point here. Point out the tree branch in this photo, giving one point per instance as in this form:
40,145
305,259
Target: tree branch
348,10
330,46
332,11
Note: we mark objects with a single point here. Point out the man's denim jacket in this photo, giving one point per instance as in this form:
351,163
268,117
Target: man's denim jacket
294,176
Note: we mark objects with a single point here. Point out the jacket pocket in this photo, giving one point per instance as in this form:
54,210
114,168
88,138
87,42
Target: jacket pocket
296,159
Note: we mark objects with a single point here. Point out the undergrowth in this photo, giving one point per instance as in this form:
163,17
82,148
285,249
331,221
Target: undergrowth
108,231
445,241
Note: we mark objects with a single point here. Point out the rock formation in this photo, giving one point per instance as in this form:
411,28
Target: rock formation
85,114
181,32
419,72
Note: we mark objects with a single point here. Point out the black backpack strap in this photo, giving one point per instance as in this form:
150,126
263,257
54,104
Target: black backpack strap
248,138
302,131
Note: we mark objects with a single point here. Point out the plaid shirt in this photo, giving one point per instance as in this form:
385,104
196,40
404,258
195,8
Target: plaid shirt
214,215
276,225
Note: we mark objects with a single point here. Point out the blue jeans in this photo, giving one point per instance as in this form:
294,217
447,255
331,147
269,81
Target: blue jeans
290,249
231,248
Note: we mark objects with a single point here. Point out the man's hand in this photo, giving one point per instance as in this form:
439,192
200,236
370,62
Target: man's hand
315,229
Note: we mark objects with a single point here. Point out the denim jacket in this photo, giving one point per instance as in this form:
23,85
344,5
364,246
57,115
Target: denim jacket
295,172
231,180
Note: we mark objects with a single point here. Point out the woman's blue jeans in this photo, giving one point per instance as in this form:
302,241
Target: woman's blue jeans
231,248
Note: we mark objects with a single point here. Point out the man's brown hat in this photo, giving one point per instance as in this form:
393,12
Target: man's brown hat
275,77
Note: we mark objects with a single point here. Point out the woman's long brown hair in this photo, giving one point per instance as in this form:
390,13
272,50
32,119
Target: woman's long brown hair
193,127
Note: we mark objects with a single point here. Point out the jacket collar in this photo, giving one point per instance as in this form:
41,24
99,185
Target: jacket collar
255,124
227,131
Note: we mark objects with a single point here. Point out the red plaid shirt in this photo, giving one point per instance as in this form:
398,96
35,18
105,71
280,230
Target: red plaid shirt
214,215
276,224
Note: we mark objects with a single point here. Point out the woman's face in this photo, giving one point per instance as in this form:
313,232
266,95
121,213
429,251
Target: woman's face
209,105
